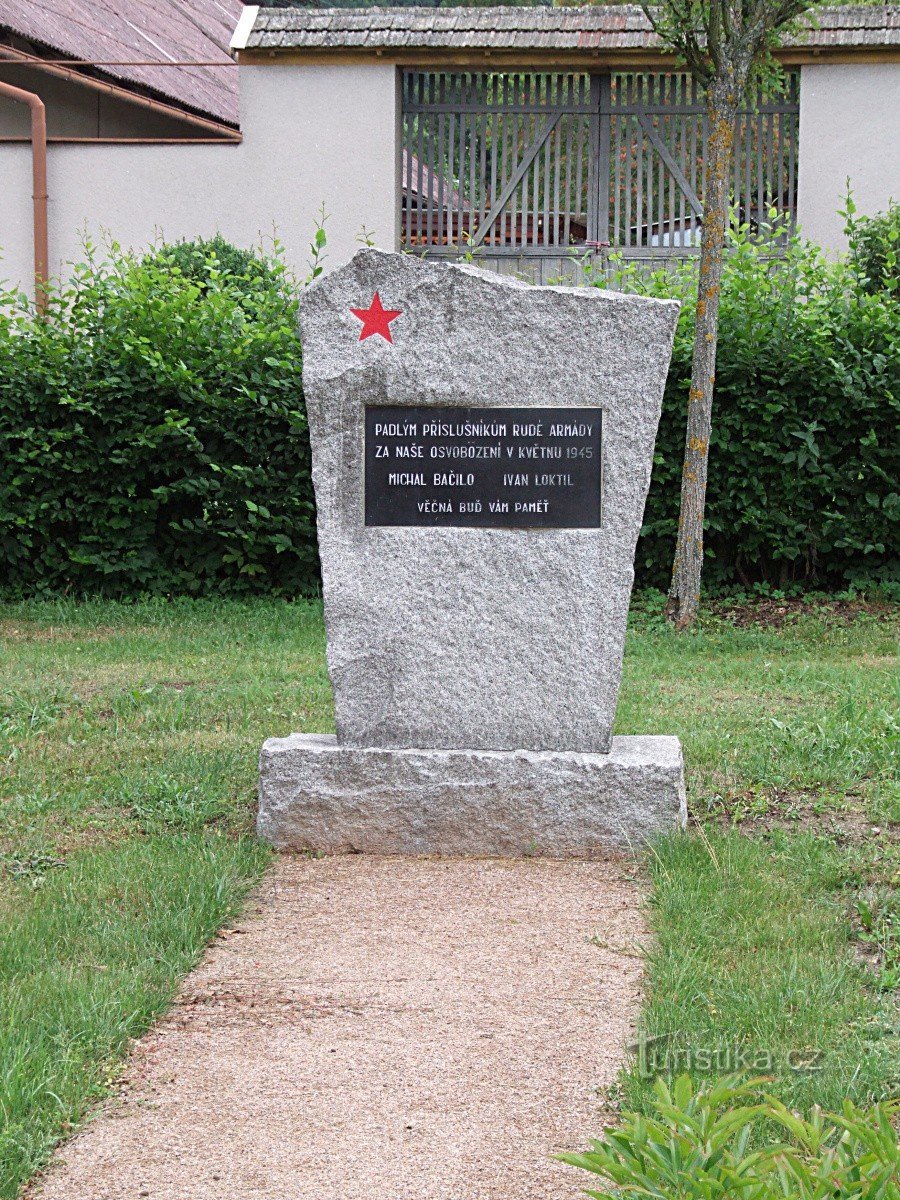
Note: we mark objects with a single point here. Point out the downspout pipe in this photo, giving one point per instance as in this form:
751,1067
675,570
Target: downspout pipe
39,187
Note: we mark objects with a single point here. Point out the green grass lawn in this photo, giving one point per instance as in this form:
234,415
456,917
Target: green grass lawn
128,745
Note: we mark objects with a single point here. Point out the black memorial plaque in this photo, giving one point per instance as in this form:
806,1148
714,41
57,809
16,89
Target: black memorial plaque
501,468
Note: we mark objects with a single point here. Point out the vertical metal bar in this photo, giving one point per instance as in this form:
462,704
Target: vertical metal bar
770,162
527,135
449,173
539,81
551,171
748,139
453,176
672,143
448,188
485,135
522,140
593,207
417,120
630,126
657,221
506,122
528,178
519,226
434,161
428,132
568,199
659,201
496,149
562,87
682,158
520,231
412,124
780,131
760,163
463,138
518,120
615,126
603,172
407,186
641,202
474,150
437,169
792,162
456,175
542,161
661,172
521,195
655,180
406,189
580,131
547,168
540,180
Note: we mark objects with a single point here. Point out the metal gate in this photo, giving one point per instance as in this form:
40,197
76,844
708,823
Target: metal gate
528,171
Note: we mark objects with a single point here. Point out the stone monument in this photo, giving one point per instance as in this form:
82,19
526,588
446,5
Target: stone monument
481,455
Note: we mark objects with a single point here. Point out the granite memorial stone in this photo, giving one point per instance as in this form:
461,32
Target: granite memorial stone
481,451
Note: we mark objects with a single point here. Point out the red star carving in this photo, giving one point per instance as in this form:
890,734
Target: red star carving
376,319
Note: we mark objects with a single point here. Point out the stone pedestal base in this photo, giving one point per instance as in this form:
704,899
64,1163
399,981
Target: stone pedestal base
317,795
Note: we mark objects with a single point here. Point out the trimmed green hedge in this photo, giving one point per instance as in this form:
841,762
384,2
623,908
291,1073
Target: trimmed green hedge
153,431
154,437
803,462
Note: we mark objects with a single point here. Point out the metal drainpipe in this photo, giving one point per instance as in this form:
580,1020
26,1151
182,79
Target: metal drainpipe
39,189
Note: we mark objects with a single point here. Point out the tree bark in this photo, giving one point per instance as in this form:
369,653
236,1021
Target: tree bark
684,593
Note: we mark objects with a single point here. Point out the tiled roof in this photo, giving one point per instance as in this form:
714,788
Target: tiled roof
603,27
164,31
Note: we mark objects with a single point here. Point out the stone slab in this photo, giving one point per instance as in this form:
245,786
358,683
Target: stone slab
462,638
316,794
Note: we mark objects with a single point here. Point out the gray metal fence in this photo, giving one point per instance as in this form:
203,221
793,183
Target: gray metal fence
529,171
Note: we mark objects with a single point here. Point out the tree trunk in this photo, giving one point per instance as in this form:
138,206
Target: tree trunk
684,593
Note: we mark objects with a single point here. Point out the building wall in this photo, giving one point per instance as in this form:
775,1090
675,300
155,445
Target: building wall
313,135
317,135
849,127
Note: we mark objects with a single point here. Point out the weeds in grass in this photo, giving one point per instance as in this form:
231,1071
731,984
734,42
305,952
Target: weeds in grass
33,867
729,1139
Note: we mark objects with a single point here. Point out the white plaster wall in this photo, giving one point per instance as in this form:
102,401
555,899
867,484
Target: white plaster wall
312,134
849,126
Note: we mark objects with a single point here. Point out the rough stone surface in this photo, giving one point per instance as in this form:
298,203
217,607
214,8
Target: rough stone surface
478,638
382,1029
318,795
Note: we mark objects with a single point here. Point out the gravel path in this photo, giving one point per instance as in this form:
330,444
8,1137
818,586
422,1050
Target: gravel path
381,1029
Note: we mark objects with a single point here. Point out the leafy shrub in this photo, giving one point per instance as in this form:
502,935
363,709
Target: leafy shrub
803,461
154,439
875,248
706,1144
215,257
153,432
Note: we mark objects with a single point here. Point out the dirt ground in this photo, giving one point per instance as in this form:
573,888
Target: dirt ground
381,1029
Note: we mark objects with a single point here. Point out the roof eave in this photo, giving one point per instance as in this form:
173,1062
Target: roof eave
139,94
582,57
